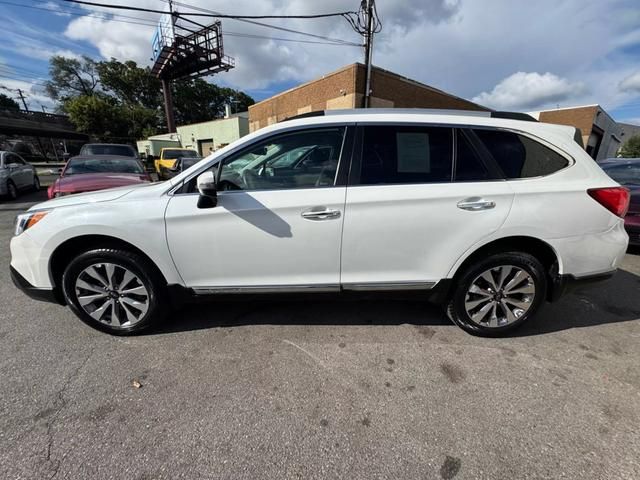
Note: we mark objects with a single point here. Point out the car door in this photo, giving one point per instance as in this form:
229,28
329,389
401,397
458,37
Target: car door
418,198
273,228
26,171
16,172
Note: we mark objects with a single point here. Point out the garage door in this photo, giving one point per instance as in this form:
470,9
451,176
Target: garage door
204,146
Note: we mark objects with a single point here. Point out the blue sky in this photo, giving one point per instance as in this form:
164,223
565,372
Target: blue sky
507,54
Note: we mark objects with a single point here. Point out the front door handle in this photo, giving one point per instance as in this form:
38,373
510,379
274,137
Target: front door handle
475,204
320,213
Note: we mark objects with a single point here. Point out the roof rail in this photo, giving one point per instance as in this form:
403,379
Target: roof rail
513,116
317,113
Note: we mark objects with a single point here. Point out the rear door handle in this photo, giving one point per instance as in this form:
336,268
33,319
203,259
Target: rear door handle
320,213
475,204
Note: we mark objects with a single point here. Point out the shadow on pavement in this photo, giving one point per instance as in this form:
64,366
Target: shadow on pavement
24,200
612,301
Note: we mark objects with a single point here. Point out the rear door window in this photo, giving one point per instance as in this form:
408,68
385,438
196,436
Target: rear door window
396,154
469,165
519,156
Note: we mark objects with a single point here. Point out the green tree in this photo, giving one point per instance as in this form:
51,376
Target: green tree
98,115
131,97
198,101
129,83
631,148
71,77
8,103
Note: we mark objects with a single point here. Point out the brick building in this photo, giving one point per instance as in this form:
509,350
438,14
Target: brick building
601,135
345,87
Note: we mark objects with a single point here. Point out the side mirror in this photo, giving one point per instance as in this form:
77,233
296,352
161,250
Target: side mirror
207,188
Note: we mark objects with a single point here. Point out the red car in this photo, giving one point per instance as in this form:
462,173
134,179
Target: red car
91,173
626,171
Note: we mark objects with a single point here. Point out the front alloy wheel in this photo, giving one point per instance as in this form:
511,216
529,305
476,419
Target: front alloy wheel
116,291
112,294
12,190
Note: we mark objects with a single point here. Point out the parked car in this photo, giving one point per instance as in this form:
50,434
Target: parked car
16,175
168,158
90,173
117,149
487,215
626,171
179,166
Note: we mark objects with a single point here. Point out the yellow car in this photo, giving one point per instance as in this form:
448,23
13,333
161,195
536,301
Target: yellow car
168,158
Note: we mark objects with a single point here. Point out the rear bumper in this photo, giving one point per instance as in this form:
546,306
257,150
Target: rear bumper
569,283
42,294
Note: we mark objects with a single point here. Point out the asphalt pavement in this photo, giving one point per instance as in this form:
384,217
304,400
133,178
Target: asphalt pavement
321,389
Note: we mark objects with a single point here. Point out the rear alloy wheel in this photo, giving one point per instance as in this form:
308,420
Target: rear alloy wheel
12,190
114,291
498,294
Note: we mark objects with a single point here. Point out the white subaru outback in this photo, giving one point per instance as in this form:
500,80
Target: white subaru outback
487,214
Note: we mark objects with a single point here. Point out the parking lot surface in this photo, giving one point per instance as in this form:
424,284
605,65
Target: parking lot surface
321,389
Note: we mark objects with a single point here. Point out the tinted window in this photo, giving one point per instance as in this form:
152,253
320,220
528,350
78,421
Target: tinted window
519,156
13,158
97,165
398,154
304,159
170,154
628,174
469,166
120,150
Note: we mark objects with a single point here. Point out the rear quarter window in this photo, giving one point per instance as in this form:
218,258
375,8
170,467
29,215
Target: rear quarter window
519,156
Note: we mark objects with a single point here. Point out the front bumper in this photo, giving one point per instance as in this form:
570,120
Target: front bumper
52,295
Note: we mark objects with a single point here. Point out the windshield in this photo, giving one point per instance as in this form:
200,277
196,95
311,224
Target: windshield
189,162
97,165
171,154
626,174
120,150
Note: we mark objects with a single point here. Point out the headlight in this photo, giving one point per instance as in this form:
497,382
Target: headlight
28,220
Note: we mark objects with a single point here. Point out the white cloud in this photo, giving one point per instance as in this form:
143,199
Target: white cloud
54,7
34,94
527,91
631,83
45,53
467,47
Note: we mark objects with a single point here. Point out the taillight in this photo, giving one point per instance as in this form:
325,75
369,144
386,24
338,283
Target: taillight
614,199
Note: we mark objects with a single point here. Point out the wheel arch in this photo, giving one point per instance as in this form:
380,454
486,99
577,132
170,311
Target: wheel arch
540,249
72,247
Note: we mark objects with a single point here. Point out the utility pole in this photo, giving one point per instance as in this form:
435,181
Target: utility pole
168,105
368,52
23,100
166,83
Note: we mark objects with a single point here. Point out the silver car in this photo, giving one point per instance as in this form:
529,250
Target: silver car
16,175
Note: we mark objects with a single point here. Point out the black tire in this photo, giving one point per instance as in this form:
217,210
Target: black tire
12,190
457,306
36,183
146,274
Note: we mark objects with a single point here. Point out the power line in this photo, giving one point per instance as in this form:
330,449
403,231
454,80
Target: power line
143,22
139,21
218,15
267,25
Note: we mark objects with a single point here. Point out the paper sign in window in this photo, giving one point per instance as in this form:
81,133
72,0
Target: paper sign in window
413,152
